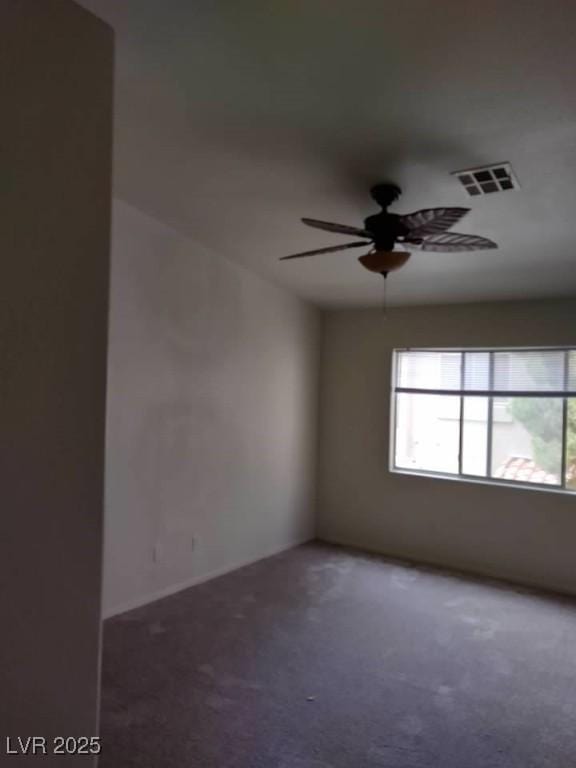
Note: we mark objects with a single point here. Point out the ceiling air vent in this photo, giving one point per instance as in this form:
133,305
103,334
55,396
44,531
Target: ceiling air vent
488,179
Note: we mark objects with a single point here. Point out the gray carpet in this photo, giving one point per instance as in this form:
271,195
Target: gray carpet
327,658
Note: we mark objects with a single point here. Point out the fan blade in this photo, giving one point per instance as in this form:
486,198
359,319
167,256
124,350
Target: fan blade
452,242
330,249
342,229
431,221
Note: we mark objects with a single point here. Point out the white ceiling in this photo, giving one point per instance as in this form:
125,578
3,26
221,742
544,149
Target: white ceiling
234,119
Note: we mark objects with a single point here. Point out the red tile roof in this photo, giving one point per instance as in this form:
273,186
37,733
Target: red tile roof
525,470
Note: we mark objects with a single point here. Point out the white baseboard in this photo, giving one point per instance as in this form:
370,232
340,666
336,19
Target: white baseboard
199,579
453,567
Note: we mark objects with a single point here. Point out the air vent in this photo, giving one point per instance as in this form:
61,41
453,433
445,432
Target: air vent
488,179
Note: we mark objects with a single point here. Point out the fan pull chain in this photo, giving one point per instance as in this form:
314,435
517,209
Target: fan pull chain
384,301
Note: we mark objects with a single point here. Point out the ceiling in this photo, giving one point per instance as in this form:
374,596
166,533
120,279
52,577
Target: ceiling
234,119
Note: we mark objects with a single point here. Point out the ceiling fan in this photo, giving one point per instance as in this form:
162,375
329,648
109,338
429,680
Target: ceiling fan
424,230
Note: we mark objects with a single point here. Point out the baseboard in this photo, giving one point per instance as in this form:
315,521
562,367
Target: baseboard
138,602
460,569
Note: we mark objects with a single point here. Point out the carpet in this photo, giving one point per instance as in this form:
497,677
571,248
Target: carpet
324,657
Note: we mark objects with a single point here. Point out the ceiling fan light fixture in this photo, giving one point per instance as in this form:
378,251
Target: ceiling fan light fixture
383,262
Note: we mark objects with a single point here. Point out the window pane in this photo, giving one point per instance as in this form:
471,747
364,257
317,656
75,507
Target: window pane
528,371
527,439
572,370
477,370
427,432
571,445
429,370
475,436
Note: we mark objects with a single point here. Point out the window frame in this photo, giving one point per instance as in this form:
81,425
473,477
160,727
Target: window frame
490,394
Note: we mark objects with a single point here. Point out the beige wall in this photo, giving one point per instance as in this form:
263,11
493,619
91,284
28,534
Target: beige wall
55,134
524,535
211,419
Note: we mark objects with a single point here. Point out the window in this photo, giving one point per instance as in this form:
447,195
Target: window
500,415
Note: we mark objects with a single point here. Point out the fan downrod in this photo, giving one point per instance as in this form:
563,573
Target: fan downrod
385,227
385,193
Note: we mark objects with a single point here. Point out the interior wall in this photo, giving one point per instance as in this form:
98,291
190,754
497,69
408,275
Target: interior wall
211,415
56,94
524,535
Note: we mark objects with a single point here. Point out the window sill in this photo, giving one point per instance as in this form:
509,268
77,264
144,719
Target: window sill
483,481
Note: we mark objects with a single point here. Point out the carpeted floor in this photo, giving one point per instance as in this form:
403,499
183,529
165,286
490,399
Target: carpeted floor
327,658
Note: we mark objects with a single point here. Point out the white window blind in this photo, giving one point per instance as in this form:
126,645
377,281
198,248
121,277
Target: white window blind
541,371
572,370
498,372
429,370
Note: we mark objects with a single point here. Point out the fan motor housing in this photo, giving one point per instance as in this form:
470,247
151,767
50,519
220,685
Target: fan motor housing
385,228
